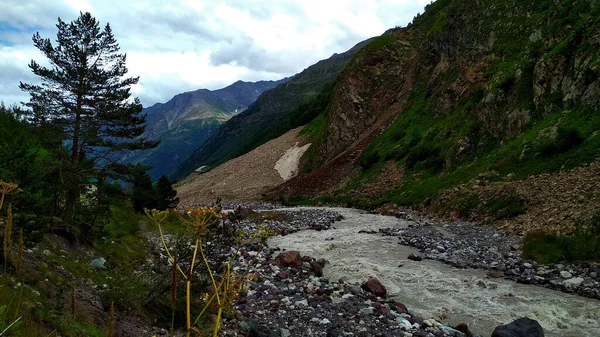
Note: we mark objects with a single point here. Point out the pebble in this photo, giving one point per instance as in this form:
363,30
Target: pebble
565,274
574,282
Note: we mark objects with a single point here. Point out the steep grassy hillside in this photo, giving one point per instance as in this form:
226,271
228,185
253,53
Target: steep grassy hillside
275,112
188,119
471,92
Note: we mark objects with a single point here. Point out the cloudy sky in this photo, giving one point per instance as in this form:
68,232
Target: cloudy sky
182,45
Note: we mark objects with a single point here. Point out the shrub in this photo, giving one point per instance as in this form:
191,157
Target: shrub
398,135
466,204
505,207
428,155
477,93
507,82
399,152
368,159
566,139
553,248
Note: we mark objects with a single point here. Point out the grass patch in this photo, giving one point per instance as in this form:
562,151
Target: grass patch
553,248
373,46
269,216
565,140
368,159
462,204
315,129
123,222
505,207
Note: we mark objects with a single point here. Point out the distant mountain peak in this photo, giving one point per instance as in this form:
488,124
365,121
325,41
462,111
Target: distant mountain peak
185,121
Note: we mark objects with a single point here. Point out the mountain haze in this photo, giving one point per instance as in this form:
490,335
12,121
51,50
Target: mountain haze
188,119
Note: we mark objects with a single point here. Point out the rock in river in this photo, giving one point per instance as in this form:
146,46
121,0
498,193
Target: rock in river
375,287
523,327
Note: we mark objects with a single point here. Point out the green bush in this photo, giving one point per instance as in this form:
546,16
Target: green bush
505,207
566,139
553,248
477,93
465,205
428,155
368,159
507,82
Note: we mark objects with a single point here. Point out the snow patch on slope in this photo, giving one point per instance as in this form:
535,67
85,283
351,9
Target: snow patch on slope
287,165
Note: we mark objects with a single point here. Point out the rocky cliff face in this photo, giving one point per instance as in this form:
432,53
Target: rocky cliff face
470,87
371,90
472,54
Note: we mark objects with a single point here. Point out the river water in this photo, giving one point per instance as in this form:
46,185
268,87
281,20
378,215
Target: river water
433,289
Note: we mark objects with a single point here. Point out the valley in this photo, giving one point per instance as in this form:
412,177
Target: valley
439,177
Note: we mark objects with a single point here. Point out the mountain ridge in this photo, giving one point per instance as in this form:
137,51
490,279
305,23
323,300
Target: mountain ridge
273,114
186,120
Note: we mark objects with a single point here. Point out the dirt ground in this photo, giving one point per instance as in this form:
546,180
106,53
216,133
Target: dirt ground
244,178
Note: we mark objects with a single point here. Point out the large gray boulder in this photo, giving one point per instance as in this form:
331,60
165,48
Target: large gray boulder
523,327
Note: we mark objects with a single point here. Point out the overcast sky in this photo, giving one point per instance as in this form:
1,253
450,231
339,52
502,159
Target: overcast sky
182,45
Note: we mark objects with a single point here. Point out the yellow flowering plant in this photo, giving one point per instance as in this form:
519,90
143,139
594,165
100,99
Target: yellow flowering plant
227,288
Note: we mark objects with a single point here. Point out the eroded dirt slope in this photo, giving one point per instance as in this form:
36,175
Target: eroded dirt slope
244,178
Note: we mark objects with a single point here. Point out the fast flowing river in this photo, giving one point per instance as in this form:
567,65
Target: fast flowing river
433,289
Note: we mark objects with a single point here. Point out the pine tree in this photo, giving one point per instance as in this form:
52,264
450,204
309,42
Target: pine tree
142,194
166,195
86,93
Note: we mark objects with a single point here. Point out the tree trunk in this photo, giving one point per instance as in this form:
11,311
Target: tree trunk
73,192
73,182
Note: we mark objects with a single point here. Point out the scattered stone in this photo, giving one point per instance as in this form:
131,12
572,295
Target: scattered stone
375,287
245,327
415,257
366,311
302,303
98,263
573,282
317,268
565,274
464,328
494,274
290,258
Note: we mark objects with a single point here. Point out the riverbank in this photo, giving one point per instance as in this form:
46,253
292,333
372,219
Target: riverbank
432,289
463,245
290,296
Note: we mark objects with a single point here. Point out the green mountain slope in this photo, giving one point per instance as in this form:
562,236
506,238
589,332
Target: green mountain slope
275,112
188,119
471,91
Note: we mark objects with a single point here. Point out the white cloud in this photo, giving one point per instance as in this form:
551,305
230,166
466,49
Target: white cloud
177,46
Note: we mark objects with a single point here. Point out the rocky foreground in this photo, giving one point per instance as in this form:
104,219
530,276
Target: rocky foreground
288,296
